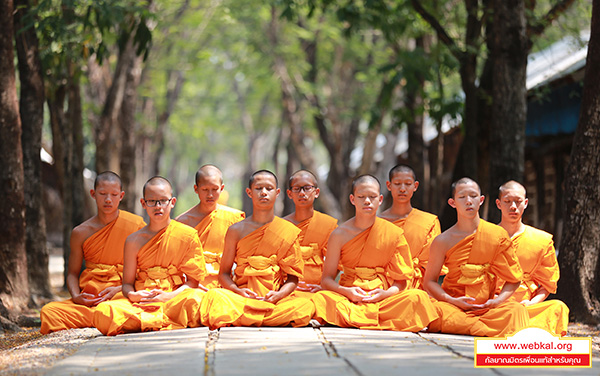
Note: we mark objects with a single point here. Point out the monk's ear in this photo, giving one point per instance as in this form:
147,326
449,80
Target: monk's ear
93,194
143,203
416,184
121,195
317,191
173,201
498,204
222,187
249,192
452,203
525,203
388,185
196,188
289,194
278,191
352,199
481,199
380,199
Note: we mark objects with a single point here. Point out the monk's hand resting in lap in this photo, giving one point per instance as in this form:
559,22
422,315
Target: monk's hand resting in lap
157,296
309,287
247,293
356,294
376,295
108,293
526,302
491,303
465,303
137,296
86,299
274,296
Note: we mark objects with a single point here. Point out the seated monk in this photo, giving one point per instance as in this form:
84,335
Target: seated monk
99,242
537,257
211,220
266,251
476,253
314,226
377,266
167,256
420,228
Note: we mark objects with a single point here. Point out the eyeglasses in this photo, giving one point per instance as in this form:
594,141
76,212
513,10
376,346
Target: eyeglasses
306,189
153,203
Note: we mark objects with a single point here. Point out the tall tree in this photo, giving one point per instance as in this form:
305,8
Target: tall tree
579,255
14,287
31,108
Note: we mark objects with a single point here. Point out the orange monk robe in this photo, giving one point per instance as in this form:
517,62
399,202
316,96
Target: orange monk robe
420,228
162,262
376,258
474,264
211,231
103,255
537,257
264,258
314,233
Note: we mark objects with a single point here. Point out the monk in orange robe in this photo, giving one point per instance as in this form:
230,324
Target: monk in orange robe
420,228
476,253
99,242
314,226
266,251
537,257
377,266
211,220
167,256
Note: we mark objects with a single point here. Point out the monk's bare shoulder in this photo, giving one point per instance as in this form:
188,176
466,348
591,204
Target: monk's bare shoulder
86,229
189,217
242,228
446,240
139,238
387,215
344,232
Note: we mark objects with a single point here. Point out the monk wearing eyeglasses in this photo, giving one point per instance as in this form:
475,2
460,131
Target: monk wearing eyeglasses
315,228
163,263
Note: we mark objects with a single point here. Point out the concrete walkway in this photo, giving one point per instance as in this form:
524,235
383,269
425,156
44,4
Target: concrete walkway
286,351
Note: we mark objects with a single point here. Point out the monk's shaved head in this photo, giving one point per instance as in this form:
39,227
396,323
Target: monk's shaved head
262,172
511,184
157,180
366,178
300,173
108,176
464,180
401,168
208,170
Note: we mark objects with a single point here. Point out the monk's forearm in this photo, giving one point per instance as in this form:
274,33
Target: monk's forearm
127,288
540,296
330,284
507,291
73,285
437,292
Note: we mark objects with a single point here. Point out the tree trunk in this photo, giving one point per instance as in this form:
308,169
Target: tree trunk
75,118
509,113
579,285
14,287
107,144
62,147
127,131
31,108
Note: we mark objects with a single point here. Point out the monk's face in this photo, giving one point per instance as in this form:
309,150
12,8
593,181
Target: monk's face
107,195
467,199
209,190
158,201
512,203
263,191
366,198
402,187
303,191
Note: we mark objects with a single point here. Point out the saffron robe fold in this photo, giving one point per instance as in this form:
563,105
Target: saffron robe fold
376,258
264,258
420,228
103,256
314,233
537,257
211,231
163,263
474,264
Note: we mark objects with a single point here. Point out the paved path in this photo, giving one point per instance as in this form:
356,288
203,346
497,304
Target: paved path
285,351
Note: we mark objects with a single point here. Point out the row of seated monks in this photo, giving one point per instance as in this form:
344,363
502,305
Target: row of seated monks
213,267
